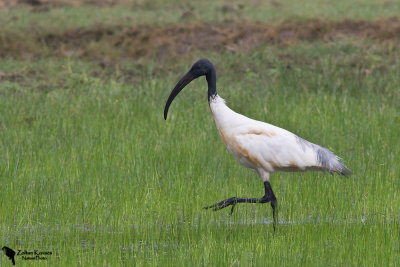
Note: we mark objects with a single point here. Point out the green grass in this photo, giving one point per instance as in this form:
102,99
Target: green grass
162,12
90,170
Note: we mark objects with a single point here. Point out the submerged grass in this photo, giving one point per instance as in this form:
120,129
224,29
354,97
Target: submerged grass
90,170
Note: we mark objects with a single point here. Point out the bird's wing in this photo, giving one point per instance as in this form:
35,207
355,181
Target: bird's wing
275,149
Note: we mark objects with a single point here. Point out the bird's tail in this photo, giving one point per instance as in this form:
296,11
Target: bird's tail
345,171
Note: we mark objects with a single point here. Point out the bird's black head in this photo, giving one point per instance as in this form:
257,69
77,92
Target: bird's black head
202,67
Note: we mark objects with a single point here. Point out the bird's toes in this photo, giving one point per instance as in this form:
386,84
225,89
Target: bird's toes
225,203
212,206
222,204
218,206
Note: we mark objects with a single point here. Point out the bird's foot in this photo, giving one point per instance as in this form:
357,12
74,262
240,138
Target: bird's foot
232,202
223,204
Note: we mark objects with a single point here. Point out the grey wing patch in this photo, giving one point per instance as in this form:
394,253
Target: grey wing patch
325,158
324,155
304,143
331,162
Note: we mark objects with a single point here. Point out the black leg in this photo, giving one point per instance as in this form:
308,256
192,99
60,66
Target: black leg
268,197
274,205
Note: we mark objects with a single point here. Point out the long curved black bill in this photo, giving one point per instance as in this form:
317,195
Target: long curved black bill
187,78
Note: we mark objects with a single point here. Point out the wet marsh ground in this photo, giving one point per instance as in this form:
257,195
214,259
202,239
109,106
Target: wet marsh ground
90,171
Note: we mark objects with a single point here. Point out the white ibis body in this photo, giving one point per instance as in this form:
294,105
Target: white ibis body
259,146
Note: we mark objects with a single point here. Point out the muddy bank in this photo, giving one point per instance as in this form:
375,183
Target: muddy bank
113,42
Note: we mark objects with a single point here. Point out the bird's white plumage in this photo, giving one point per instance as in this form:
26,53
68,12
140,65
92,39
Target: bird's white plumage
266,148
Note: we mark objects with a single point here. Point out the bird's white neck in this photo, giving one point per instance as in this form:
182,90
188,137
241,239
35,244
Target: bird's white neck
223,116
